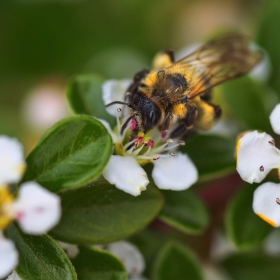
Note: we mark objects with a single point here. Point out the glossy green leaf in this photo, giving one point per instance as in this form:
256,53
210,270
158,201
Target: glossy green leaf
184,211
100,213
40,258
213,155
176,262
268,38
84,94
246,102
94,264
71,153
245,229
252,266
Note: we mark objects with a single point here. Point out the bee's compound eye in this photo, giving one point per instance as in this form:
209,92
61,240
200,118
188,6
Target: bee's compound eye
152,116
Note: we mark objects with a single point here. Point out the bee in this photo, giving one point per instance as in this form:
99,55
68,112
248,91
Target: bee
178,94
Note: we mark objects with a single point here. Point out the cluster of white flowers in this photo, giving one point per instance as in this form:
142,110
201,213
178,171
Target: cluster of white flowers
171,171
35,209
256,157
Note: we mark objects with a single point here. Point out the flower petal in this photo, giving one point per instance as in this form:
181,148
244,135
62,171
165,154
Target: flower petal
14,276
275,119
37,210
114,90
12,162
256,156
114,136
130,255
266,203
8,256
126,174
262,70
174,173
72,250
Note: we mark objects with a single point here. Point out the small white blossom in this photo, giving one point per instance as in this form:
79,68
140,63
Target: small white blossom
275,119
14,276
130,255
8,256
176,172
37,210
72,250
44,106
266,203
12,162
271,244
256,156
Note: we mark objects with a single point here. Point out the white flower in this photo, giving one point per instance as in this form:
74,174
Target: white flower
8,256
72,250
44,106
256,152
256,156
275,119
37,210
171,171
12,162
130,255
266,203
14,276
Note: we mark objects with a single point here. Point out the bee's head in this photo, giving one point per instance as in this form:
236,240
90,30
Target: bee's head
145,112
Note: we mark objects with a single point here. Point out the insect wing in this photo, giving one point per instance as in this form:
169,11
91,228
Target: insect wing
217,61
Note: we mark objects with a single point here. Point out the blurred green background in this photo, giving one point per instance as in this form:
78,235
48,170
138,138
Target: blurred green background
46,42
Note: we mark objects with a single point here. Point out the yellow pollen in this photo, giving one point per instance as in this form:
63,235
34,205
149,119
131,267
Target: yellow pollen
141,134
236,151
269,221
22,168
6,200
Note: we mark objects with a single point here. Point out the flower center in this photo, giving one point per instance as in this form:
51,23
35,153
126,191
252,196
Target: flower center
5,205
144,147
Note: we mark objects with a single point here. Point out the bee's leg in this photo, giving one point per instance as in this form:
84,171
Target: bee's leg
187,124
207,95
166,122
137,81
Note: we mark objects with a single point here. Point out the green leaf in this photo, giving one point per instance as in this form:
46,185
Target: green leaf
71,153
243,226
176,262
84,94
252,266
100,213
245,100
185,211
268,38
213,155
93,264
40,257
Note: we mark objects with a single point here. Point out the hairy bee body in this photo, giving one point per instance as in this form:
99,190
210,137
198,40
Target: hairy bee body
179,93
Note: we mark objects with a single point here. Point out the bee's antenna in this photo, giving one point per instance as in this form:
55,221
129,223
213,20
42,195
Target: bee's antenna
118,102
124,125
